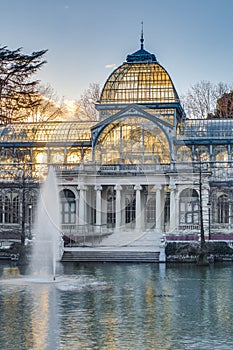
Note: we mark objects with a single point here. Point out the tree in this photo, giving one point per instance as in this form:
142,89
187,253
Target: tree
86,105
48,108
201,99
18,92
225,106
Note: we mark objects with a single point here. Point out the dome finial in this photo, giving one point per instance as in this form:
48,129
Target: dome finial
141,55
142,38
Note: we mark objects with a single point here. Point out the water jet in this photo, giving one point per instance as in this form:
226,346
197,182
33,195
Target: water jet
47,234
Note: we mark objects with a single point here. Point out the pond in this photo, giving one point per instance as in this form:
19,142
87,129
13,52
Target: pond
118,306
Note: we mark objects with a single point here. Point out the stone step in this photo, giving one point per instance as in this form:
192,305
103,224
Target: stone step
132,238
110,256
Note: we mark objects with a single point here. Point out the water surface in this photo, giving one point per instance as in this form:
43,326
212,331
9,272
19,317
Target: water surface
118,306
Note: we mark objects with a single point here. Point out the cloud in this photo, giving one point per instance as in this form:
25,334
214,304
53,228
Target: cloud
111,65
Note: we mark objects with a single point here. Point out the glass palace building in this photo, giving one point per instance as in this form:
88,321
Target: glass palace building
142,166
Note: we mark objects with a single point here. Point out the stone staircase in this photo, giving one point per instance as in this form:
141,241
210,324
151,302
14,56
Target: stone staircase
127,246
110,256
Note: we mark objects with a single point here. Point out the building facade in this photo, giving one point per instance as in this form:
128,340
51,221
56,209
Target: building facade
142,166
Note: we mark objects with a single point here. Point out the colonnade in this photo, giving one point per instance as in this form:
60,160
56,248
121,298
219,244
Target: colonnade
160,194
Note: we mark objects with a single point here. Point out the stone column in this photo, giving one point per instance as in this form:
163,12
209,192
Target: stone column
138,189
229,152
104,206
172,188
98,189
82,204
118,189
230,215
205,210
211,152
158,208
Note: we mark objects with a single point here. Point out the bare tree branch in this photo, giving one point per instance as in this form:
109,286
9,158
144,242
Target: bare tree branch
86,105
201,99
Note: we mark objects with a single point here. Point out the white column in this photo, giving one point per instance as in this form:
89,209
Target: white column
104,206
172,188
138,189
118,189
158,208
230,216
205,210
98,189
82,204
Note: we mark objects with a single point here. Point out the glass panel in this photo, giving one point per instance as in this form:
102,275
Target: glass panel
66,218
189,218
195,218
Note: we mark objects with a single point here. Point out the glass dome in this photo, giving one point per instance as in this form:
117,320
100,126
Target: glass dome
141,79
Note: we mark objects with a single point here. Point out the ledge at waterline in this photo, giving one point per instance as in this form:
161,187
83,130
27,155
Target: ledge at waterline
181,251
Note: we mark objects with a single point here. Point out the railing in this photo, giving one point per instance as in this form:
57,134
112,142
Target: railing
218,171
189,227
224,226
32,172
132,168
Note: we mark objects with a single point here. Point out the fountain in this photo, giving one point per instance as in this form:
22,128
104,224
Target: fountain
47,239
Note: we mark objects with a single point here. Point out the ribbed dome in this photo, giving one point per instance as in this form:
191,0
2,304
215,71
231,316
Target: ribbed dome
139,83
139,80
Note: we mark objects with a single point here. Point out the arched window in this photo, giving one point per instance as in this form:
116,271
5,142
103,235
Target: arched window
220,153
189,207
11,208
223,209
184,154
68,207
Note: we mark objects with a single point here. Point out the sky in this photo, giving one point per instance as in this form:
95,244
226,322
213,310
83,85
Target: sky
88,39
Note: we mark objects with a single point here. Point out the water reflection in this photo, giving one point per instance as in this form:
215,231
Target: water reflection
118,306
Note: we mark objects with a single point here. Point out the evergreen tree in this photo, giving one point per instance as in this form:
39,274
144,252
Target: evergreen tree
18,91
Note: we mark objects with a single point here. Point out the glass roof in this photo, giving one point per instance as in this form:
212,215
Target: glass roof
208,128
139,83
47,132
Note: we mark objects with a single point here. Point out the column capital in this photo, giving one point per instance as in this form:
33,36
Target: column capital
98,188
118,187
82,187
158,187
172,187
138,187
